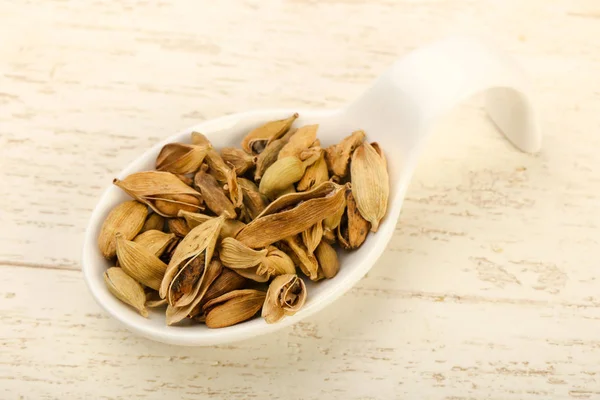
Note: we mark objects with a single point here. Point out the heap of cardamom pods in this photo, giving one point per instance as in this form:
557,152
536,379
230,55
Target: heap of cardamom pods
218,237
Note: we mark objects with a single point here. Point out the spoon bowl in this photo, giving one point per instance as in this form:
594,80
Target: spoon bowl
397,112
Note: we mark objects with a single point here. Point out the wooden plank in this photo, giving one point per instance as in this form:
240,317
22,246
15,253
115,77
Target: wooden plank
370,344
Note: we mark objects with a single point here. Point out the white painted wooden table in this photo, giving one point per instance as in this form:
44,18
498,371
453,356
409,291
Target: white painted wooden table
489,290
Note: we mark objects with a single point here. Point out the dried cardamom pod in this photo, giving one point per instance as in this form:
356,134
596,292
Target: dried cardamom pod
175,314
312,236
285,297
252,274
140,263
200,140
275,263
230,228
181,158
338,155
300,141
178,226
370,183
155,241
299,254
233,189
279,176
254,201
236,255
269,155
127,219
154,222
200,242
305,209
313,152
168,253
239,159
162,191
328,260
233,307
213,195
259,138
314,175
353,228
227,281
126,289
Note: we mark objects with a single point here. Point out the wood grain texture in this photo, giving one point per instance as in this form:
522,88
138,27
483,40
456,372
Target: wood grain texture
489,289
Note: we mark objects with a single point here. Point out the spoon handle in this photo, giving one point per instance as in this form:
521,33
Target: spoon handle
429,81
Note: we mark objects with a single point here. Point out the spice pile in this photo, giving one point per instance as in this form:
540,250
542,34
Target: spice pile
217,237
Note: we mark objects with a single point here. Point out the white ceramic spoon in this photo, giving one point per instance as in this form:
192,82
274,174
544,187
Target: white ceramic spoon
398,112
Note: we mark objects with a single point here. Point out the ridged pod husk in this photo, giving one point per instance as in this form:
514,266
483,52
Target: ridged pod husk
200,242
312,236
255,141
234,191
338,155
370,183
161,191
200,140
181,158
353,228
328,260
233,307
314,175
126,289
252,274
275,263
178,226
154,222
300,141
227,281
269,155
254,201
230,228
174,314
279,176
140,263
238,158
302,258
292,214
285,297
127,219
155,241
236,255
213,194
